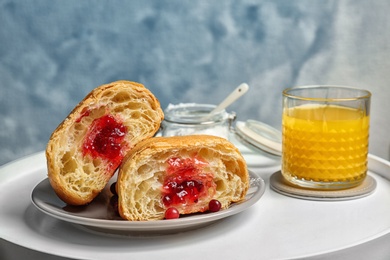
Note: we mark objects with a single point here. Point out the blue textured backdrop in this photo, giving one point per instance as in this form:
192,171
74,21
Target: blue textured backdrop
52,53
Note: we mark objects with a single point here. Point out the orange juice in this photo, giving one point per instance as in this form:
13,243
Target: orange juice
325,144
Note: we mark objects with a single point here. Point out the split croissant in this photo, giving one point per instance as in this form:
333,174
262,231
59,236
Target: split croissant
89,145
205,167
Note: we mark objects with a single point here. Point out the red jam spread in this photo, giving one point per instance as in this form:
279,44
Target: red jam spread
186,183
104,139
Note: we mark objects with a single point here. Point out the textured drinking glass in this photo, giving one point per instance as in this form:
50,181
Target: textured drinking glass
325,136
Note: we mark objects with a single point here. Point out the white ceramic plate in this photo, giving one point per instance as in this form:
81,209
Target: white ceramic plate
99,214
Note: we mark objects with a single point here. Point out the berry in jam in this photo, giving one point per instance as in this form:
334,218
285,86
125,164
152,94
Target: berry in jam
186,184
182,193
104,139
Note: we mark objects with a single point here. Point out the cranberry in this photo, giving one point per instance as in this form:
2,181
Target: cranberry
214,205
172,213
167,200
113,188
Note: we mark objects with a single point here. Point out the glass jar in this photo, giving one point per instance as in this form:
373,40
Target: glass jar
192,118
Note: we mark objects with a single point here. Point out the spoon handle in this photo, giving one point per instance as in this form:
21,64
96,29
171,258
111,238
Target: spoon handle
237,93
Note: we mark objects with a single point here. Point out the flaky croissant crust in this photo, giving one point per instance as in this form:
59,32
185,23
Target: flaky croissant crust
78,178
144,169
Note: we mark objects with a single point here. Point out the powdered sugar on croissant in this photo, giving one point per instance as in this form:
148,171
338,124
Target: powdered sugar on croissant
88,146
184,172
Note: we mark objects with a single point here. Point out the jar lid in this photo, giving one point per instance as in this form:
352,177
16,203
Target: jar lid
259,136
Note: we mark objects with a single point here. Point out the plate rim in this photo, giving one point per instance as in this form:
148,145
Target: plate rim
156,225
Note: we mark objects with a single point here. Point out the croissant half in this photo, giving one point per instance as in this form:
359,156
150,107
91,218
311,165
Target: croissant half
184,172
89,145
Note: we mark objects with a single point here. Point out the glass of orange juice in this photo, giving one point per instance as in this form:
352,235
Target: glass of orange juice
325,136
